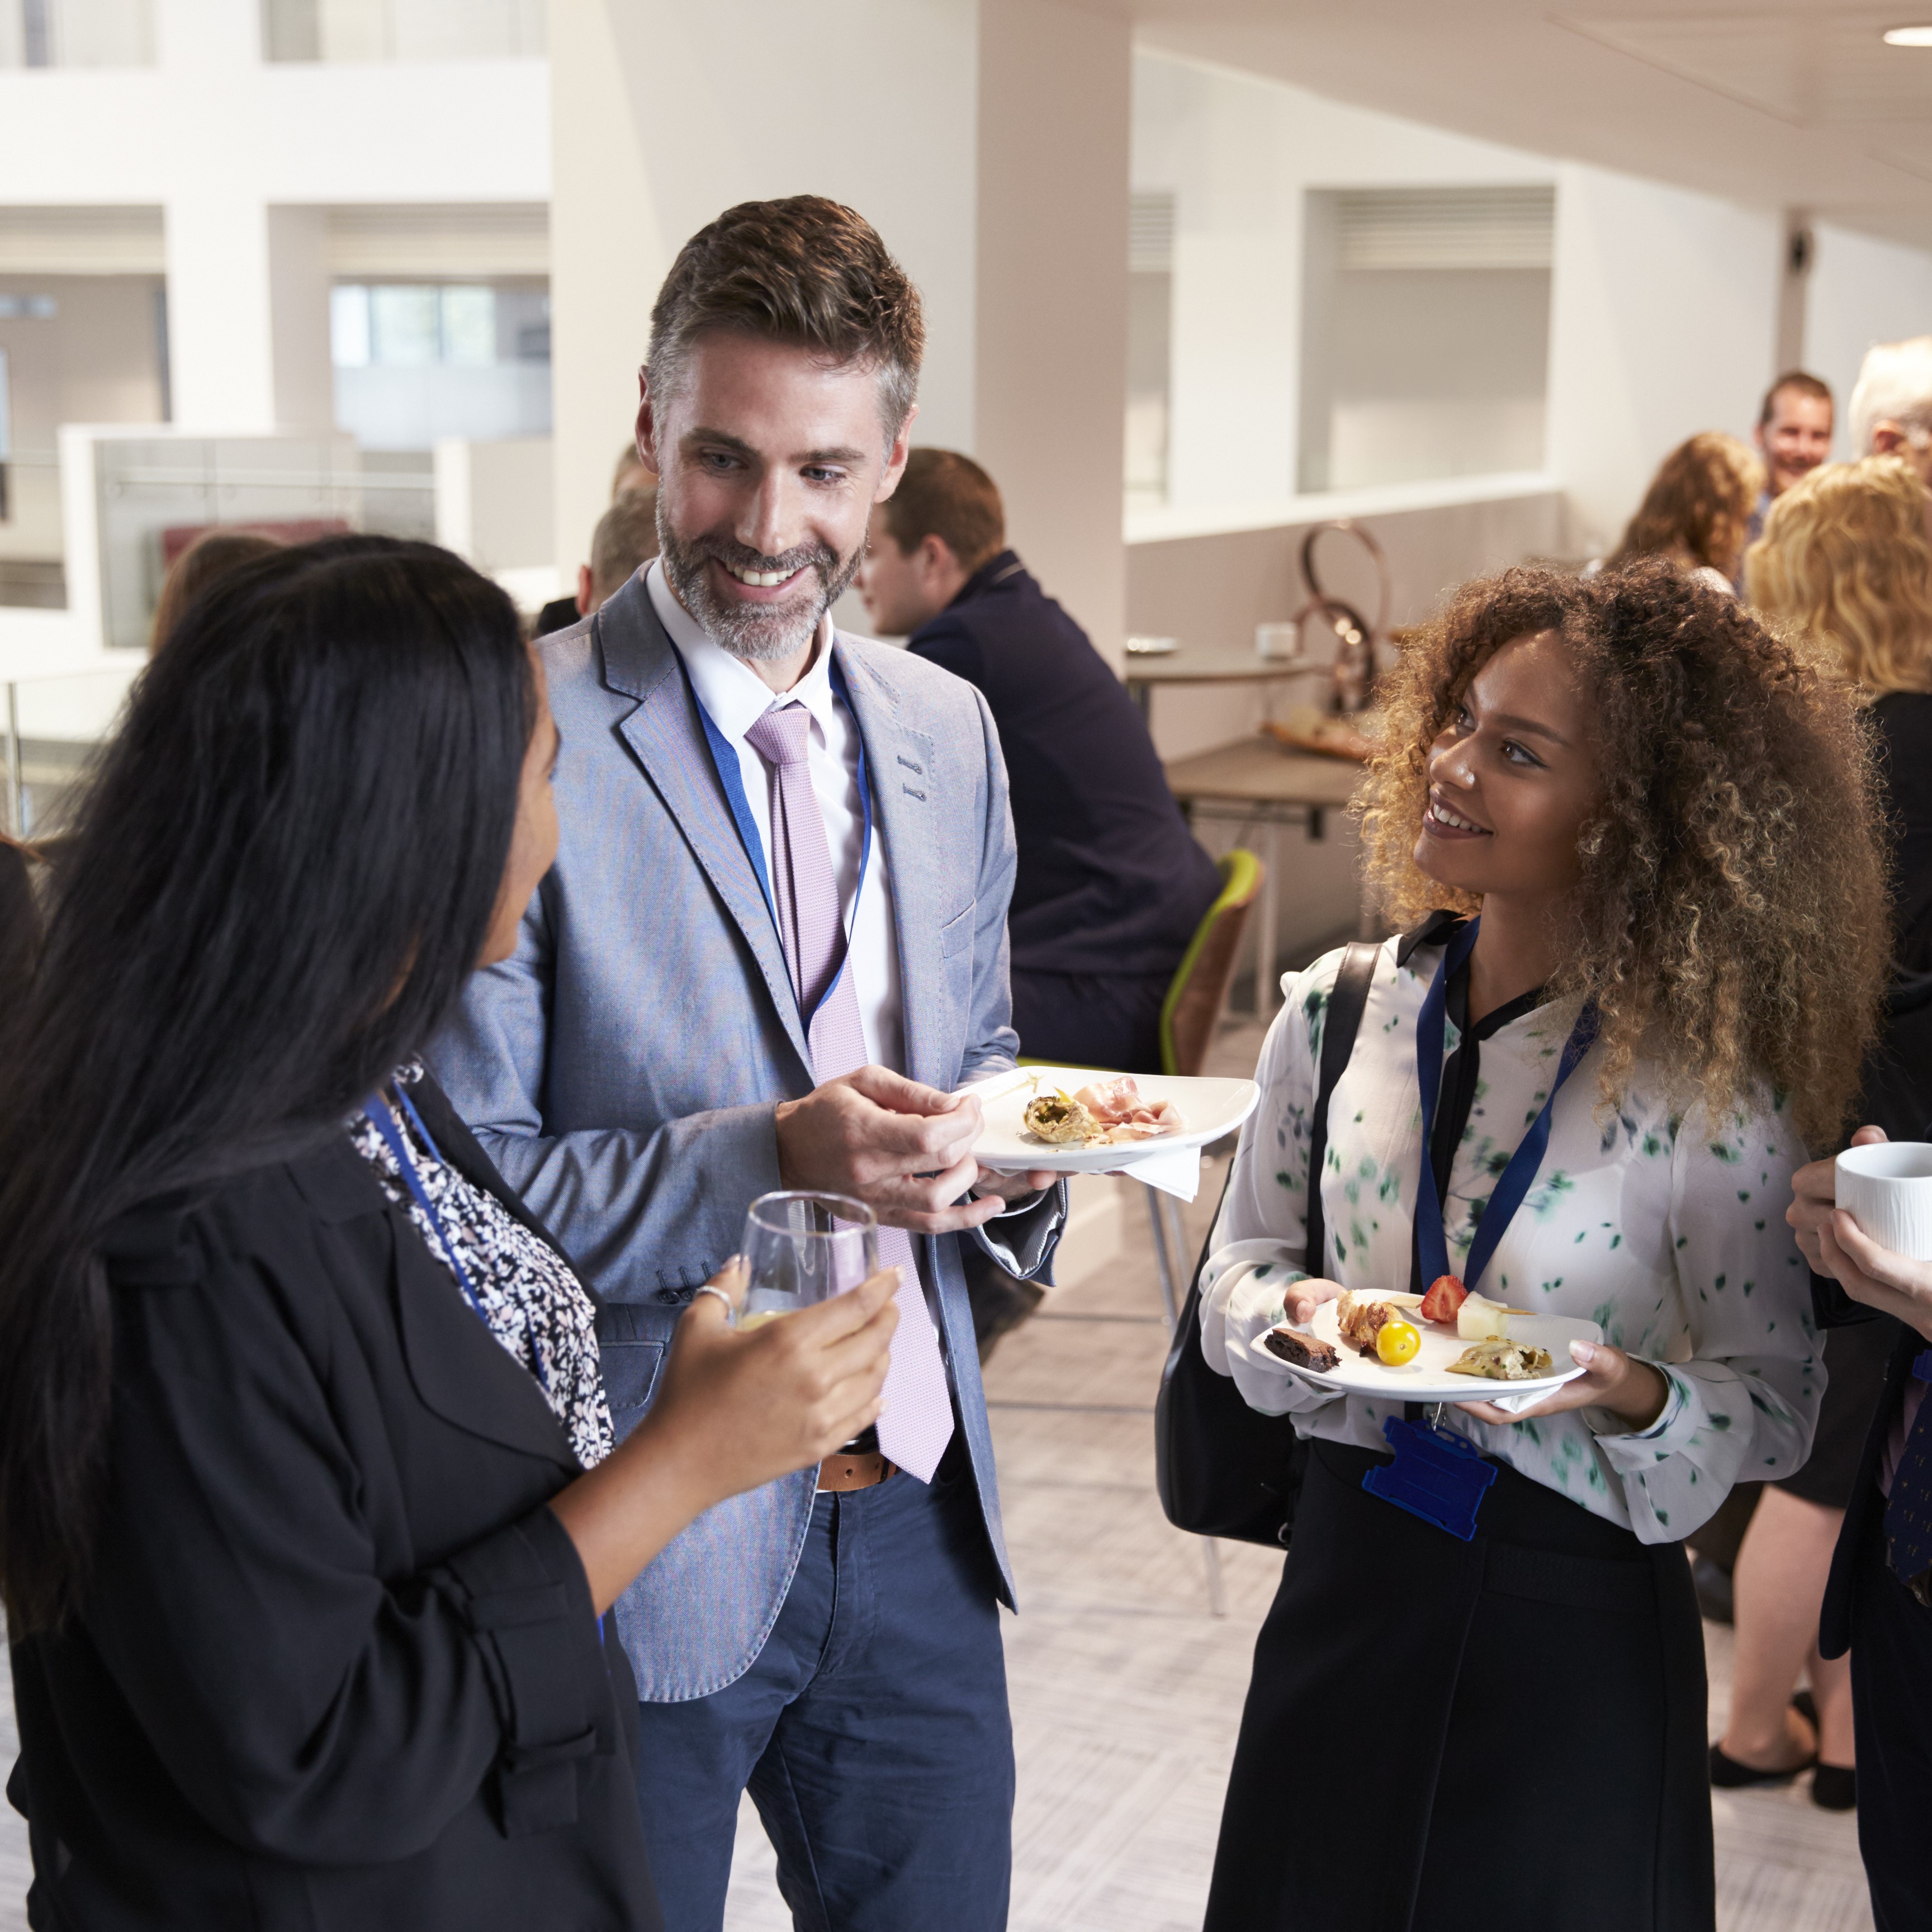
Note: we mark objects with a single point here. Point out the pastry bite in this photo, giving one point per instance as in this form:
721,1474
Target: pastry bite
1501,1360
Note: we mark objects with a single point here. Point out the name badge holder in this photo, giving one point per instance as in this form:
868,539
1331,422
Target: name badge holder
1437,1475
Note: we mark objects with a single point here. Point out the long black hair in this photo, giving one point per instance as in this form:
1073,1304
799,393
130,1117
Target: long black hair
283,874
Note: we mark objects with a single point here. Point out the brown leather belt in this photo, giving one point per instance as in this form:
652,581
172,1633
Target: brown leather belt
854,1472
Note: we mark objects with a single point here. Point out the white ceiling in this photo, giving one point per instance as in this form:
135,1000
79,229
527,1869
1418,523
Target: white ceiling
1797,105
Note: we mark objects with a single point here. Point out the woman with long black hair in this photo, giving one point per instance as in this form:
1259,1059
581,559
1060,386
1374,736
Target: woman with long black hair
1629,831
309,1508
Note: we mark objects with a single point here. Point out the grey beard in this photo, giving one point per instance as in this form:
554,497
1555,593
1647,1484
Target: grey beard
756,635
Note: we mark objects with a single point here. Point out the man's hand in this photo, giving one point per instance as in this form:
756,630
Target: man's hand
1012,1187
904,1149
1834,1244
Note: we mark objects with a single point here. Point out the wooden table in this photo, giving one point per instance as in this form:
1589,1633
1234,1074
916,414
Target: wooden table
1202,665
1257,781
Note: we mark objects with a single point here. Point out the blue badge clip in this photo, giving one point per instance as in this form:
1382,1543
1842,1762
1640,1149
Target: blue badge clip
1434,1475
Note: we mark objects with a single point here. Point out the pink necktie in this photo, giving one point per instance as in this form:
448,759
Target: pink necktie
917,1424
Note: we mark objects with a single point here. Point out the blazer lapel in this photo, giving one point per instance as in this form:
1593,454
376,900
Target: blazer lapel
666,737
904,798
460,1369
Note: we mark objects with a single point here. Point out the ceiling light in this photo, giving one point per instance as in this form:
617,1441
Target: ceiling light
1909,36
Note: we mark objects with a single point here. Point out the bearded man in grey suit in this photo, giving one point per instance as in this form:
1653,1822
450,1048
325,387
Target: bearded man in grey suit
771,952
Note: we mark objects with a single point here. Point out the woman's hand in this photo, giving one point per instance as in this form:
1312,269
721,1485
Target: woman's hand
735,1412
1631,1390
1300,1302
1835,1245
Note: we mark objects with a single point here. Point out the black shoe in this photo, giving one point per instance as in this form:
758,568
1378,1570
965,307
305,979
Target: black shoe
1713,1586
1834,1787
1727,1774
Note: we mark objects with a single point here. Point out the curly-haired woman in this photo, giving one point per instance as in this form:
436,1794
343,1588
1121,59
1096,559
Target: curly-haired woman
1620,805
1697,513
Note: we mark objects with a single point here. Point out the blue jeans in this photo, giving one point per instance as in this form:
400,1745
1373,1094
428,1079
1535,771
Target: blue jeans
872,1732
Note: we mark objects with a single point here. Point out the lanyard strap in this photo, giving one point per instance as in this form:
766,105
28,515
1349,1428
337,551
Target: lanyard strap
384,1123
730,776
1431,1238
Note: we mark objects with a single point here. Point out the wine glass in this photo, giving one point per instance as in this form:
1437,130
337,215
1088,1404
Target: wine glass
803,1248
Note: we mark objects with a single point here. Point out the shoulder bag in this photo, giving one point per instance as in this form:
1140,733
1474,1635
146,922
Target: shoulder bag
1222,1468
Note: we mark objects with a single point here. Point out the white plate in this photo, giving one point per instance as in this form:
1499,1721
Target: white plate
1427,1378
1210,1107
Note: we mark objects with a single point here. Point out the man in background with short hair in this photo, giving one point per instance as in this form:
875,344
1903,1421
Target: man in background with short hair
625,540
1793,435
1112,884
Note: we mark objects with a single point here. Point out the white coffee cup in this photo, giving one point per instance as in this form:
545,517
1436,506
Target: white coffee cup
1276,643
1887,1188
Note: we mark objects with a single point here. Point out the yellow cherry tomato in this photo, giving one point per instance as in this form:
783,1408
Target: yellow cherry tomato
1396,1343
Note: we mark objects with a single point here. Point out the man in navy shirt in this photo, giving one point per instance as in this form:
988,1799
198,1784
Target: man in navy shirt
1110,883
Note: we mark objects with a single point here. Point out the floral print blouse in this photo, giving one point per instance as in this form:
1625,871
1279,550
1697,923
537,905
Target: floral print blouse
531,1300
1670,1234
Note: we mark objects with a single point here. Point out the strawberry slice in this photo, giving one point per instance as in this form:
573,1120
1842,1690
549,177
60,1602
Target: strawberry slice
1446,1294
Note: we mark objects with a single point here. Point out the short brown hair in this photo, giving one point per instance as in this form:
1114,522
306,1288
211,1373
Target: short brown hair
213,554
1699,502
626,535
804,270
1799,382
945,495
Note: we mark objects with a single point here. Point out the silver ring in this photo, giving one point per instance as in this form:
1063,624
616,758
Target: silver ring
731,1313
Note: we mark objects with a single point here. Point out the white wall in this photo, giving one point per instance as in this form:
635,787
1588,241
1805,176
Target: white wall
1239,154
1860,291
1663,321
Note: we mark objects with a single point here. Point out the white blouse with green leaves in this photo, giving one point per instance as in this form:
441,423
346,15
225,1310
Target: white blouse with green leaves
1668,1233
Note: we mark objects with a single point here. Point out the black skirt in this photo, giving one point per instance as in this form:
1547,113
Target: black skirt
1441,1735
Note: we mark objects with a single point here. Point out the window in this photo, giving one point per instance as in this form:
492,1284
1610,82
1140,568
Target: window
382,30
1425,333
77,33
418,361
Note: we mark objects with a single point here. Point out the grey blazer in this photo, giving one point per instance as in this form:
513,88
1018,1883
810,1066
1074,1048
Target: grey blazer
623,1069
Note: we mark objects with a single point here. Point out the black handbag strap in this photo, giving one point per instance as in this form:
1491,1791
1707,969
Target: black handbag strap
1347,1001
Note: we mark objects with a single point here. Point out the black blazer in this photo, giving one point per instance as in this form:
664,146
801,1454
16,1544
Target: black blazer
1110,880
337,1667
1896,1094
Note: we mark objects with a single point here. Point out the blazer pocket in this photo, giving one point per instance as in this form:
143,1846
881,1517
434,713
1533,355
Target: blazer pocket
956,935
630,1380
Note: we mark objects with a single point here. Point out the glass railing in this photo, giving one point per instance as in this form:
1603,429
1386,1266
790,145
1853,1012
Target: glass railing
77,33
155,495
402,30
50,729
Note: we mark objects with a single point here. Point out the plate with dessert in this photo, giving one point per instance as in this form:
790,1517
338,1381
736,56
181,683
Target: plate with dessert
1072,1119
1447,1345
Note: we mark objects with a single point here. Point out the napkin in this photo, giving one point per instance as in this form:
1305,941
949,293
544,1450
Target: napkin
1178,1174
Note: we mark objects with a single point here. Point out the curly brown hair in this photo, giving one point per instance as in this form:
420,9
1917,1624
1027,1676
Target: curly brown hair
1698,505
1731,922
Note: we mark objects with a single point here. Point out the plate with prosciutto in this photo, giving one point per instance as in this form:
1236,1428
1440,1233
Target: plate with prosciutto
1447,1345
1072,1120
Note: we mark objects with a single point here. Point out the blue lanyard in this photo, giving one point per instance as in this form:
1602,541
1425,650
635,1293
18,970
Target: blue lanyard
384,1122
1431,1242
730,776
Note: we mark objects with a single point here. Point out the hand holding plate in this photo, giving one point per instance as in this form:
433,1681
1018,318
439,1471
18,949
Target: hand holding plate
1630,1389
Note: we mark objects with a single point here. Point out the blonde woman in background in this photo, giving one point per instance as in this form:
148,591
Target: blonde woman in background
1844,558
1843,563
1697,513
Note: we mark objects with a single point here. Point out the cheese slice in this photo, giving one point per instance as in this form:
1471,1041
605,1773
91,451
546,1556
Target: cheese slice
1479,1318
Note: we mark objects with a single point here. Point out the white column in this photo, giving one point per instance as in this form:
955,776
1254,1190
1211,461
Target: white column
1050,371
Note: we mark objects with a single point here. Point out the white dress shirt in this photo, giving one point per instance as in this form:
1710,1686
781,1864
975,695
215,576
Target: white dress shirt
735,697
